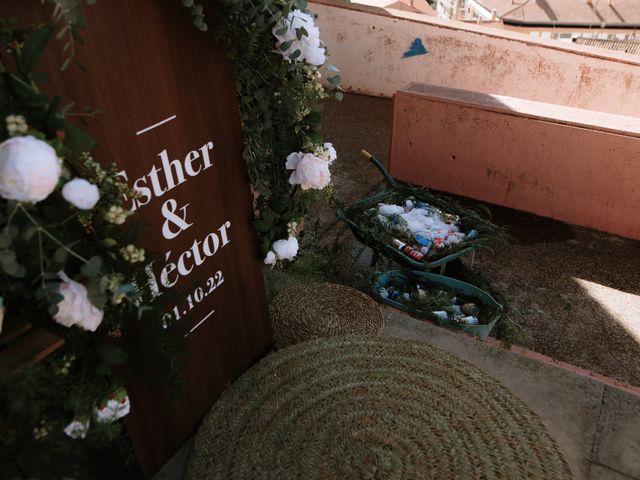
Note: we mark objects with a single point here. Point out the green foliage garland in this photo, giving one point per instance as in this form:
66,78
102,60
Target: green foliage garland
278,103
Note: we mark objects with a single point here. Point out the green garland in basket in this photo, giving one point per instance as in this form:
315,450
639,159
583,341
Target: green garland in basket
69,263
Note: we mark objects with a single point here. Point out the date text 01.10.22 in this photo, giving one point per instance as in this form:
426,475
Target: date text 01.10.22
193,299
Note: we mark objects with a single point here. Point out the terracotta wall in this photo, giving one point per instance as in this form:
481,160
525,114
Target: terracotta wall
574,165
368,44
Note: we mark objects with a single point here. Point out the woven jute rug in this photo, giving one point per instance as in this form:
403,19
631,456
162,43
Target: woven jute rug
362,407
305,312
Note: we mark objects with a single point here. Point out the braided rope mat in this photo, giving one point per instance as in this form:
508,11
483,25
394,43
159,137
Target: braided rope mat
360,407
305,312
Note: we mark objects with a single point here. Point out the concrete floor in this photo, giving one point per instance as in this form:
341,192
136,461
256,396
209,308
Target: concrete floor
575,291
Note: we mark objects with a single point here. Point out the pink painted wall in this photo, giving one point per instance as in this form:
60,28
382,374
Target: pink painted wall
569,164
367,45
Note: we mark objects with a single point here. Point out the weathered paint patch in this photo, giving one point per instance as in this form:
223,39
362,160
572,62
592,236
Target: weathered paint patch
416,48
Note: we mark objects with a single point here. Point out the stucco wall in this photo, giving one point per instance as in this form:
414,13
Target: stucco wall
367,45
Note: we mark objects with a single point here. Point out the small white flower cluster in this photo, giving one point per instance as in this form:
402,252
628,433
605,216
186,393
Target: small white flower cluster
132,254
282,250
65,365
75,308
30,170
114,284
311,170
309,45
41,431
116,215
16,125
77,428
113,408
292,228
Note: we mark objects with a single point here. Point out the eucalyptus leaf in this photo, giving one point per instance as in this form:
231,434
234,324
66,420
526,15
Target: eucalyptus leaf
60,255
301,32
5,240
12,231
28,232
55,298
92,267
126,288
7,256
284,46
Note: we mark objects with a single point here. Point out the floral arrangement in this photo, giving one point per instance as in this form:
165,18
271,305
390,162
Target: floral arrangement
69,262
279,64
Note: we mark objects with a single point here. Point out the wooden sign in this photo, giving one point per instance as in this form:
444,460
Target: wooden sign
170,120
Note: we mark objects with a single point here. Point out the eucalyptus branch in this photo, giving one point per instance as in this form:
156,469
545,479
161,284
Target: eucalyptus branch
50,235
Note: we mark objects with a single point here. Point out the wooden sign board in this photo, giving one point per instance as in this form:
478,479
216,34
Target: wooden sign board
170,120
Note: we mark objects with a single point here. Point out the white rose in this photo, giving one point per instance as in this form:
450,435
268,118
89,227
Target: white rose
309,45
270,259
29,169
75,308
1,314
113,409
313,53
286,249
296,19
77,429
81,194
309,171
331,151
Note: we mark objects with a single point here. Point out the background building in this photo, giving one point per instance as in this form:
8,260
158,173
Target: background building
565,20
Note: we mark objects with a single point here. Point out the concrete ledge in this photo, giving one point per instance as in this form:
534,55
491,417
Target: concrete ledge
560,162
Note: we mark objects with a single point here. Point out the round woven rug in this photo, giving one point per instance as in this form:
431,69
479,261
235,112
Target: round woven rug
305,312
360,407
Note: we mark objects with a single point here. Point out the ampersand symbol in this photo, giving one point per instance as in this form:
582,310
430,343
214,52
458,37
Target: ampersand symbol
169,209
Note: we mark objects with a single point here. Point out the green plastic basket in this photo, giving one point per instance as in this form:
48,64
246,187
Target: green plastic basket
396,189
491,310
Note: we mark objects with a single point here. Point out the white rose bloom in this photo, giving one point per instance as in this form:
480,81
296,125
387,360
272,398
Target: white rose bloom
286,249
270,259
310,171
313,53
309,45
1,315
75,308
112,410
77,429
29,169
81,194
331,151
